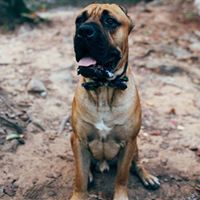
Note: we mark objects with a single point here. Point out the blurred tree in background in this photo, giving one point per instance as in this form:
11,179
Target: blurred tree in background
16,11
15,7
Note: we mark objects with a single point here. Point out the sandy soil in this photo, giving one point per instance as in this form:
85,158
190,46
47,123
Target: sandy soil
165,57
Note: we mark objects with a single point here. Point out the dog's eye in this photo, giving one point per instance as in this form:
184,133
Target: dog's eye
111,23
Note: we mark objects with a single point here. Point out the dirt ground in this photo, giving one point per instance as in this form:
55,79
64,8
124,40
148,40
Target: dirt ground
165,57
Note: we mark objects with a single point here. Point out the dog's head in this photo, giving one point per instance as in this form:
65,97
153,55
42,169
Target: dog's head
101,37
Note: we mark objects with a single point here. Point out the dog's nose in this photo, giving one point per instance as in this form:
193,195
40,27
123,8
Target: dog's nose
86,31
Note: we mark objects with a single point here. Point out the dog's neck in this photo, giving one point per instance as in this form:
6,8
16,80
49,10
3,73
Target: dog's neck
104,95
118,81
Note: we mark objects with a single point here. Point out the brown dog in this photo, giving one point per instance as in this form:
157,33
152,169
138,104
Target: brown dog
106,113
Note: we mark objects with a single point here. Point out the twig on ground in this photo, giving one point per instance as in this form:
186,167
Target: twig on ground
62,125
35,123
10,124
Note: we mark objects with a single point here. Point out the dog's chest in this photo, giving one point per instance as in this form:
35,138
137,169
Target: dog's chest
103,127
104,145
106,120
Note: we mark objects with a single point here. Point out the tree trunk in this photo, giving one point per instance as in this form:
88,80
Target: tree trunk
17,8
14,12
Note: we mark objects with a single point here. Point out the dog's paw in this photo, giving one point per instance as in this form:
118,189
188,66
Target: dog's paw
121,194
79,196
121,198
150,182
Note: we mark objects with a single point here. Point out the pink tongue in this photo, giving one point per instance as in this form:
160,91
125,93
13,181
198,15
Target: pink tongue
87,61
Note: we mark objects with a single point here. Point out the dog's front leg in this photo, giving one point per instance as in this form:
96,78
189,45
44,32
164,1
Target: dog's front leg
82,166
123,166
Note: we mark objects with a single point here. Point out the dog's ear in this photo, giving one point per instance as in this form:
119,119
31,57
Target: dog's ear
131,25
124,9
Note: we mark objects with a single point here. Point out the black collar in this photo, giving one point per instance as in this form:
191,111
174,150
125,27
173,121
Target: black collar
100,78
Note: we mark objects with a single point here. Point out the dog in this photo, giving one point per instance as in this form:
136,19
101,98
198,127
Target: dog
106,111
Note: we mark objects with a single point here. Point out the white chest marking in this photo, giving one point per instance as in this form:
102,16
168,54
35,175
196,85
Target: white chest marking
103,129
102,126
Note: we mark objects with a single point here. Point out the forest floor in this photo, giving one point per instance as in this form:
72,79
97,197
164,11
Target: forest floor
165,57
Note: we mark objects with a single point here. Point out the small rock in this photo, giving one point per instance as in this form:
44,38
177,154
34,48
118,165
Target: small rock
171,176
164,161
164,145
195,46
181,53
145,134
1,191
43,94
53,175
179,127
37,86
10,189
165,179
145,160
52,193
52,136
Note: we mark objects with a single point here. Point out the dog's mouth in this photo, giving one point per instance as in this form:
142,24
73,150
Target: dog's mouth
101,67
110,64
91,68
87,61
